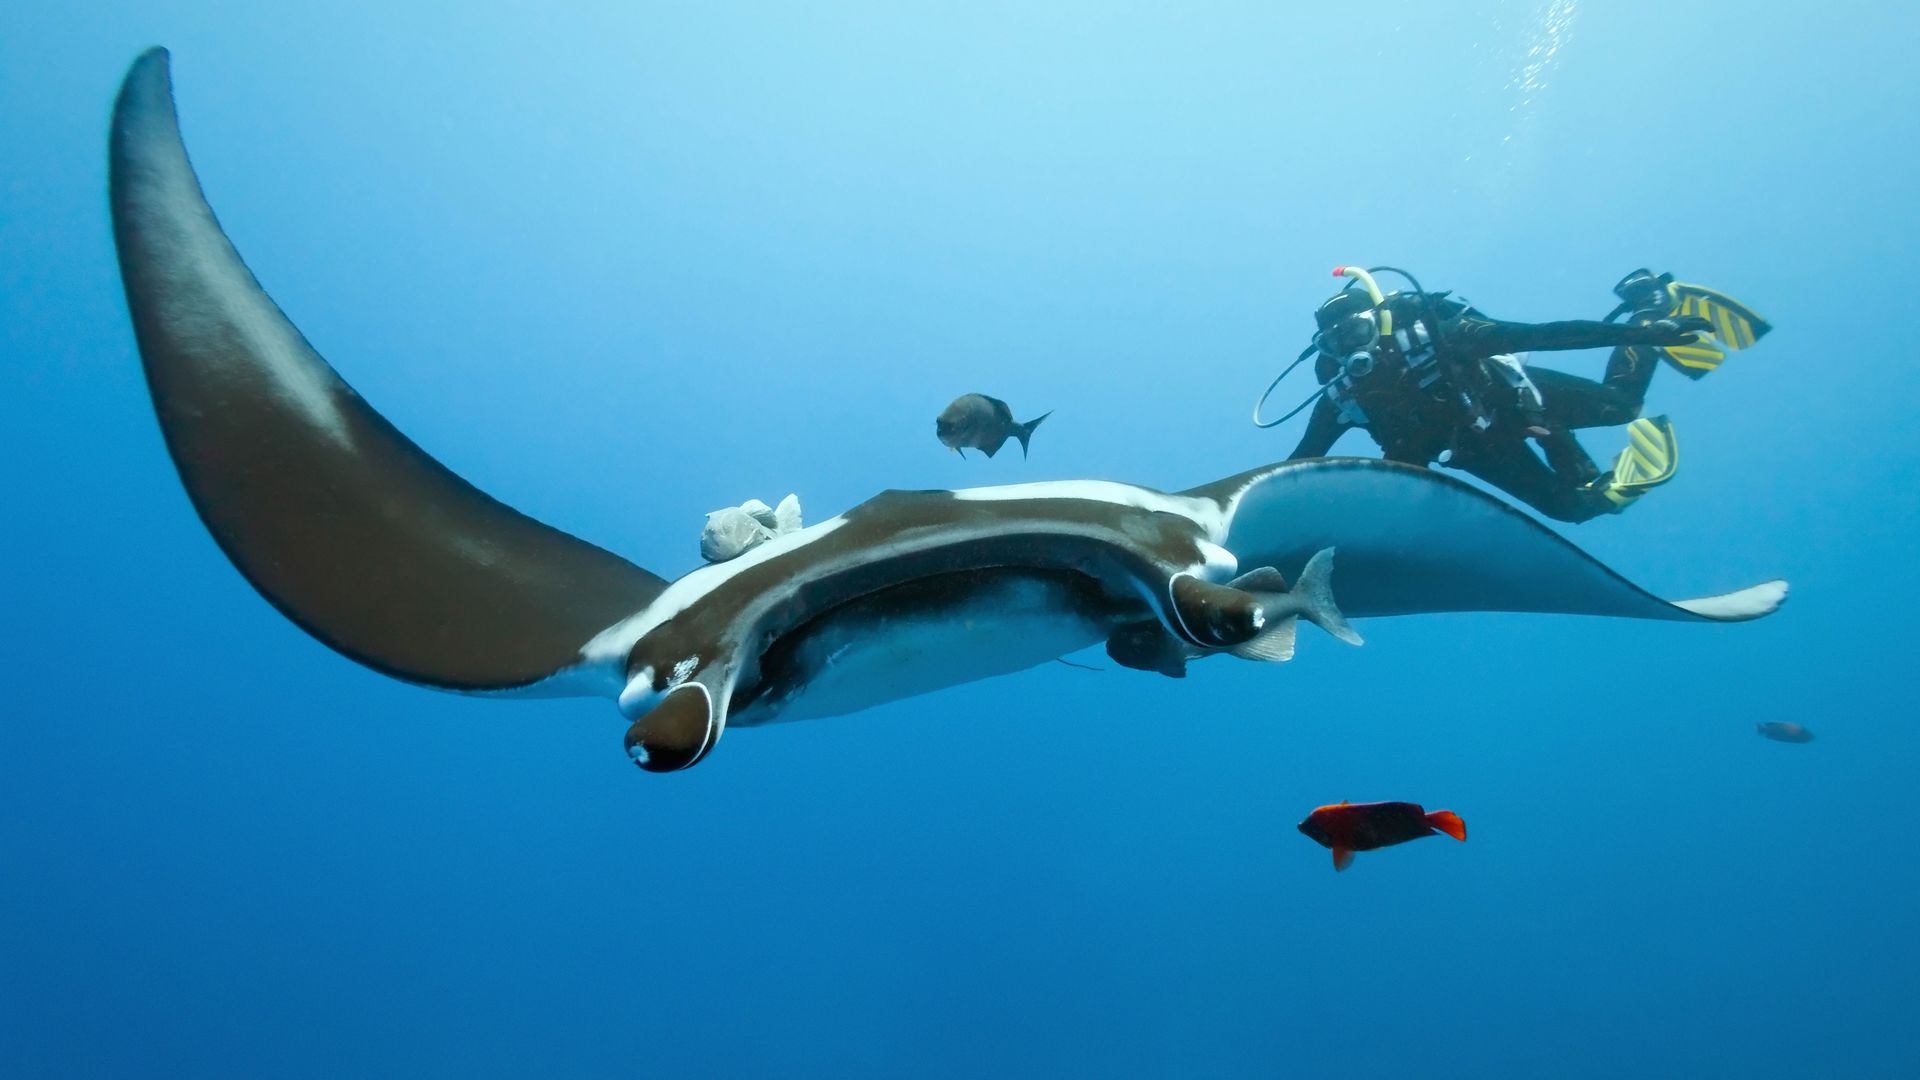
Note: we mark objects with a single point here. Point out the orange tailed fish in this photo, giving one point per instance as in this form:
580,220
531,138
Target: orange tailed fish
1350,827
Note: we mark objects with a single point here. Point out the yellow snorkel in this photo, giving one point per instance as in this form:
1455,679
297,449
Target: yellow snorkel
1373,290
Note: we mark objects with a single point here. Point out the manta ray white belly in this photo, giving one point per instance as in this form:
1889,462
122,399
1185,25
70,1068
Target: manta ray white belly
868,654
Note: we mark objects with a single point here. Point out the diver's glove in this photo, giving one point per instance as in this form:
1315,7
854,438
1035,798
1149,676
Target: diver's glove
1680,330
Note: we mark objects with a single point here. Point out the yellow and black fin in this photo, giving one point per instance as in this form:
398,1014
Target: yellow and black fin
1735,326
1651,457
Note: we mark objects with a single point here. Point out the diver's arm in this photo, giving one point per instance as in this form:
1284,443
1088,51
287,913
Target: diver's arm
1481,336
1324,428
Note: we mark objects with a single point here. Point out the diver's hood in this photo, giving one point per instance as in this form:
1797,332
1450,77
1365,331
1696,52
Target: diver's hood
1341,306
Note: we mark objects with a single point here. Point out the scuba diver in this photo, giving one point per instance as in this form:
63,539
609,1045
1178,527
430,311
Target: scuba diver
1430,378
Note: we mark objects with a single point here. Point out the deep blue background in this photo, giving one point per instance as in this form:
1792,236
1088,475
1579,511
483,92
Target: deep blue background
622,267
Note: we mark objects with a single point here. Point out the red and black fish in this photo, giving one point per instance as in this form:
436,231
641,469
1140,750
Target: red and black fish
1350,827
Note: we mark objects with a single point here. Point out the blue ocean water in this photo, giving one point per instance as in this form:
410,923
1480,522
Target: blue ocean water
622,264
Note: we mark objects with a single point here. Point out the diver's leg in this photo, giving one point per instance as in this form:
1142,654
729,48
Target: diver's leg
1629,370
1566,457
1569,401
1512,466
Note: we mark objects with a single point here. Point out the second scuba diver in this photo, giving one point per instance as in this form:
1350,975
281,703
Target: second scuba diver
1433,379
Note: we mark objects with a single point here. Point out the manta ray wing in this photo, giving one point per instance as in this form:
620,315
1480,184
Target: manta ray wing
1411,541
340,521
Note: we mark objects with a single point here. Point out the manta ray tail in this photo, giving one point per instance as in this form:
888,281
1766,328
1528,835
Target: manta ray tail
338,519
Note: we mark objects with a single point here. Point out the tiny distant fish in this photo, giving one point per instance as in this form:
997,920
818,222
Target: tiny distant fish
1783,731
983,423
1350,827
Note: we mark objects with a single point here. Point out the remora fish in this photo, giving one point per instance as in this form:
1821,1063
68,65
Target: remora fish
1783,731
385,555
982,422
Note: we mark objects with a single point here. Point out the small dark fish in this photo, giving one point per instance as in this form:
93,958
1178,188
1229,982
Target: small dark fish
1783,731
982,422
1350,827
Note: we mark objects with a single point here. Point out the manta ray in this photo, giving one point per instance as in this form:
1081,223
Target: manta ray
379,551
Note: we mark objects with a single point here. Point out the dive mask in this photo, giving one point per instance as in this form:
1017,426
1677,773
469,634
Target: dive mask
1350,334
1348,322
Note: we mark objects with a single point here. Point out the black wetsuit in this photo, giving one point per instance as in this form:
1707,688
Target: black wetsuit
1480,423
